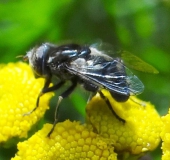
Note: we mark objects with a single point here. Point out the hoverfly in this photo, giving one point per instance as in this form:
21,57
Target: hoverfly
89,66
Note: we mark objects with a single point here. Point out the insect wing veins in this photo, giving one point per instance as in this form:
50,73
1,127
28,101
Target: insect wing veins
112,74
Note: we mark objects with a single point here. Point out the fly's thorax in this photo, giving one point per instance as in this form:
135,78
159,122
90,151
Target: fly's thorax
60,71
78,64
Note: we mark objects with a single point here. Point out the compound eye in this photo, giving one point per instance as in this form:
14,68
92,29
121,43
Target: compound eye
40,59
40,52
36,59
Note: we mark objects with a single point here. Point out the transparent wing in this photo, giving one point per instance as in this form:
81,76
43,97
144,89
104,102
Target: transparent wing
112,75
128,58
135,62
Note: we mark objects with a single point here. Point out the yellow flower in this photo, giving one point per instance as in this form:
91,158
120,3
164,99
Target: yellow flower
69,141
165,135
18,94
139,133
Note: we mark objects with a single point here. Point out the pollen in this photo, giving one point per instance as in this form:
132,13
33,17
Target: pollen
165,135
18,94
59,146
139,133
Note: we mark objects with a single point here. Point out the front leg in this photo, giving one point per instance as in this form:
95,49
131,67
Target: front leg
46,85
46,89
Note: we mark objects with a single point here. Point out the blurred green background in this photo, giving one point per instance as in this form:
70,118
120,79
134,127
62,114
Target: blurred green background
140,27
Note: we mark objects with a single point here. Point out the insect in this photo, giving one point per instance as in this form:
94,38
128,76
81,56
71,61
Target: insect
89,66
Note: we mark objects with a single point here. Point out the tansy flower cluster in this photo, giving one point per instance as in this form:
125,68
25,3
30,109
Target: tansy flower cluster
139,133
103,136
70,140
165,135
18,93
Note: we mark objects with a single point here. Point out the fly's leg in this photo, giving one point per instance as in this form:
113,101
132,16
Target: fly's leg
110,106
62,96
49,89
45,89
90,97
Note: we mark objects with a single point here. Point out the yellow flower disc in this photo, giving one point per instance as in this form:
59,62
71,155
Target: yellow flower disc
139,133
18,94
68,141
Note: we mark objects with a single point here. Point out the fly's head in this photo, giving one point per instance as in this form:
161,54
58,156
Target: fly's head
37,58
